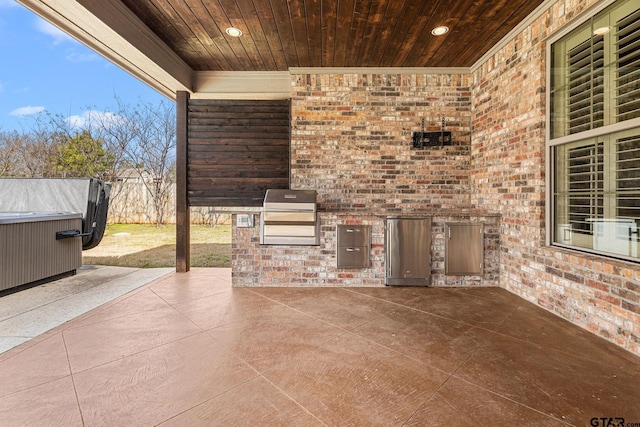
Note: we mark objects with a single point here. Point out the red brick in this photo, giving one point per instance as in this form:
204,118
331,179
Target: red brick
597,285
608,298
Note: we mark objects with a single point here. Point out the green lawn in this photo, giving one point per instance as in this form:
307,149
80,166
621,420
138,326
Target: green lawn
145,245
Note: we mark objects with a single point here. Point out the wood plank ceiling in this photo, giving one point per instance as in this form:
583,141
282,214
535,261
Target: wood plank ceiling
279,34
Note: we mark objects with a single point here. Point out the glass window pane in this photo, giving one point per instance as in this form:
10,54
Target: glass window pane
595,84
596,194
595,72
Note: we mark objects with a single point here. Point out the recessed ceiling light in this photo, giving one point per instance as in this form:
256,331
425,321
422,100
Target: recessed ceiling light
233,32
601,31
438,31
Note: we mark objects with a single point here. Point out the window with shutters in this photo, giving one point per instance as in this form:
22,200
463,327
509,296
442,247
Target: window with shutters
585,186
594,134
596,194
627,152
627,57
585,85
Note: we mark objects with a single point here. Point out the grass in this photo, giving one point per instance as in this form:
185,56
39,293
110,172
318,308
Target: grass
146,246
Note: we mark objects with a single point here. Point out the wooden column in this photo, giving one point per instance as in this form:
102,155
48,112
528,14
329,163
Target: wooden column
183,218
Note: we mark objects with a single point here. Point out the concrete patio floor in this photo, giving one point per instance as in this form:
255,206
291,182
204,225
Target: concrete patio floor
28,313
187,349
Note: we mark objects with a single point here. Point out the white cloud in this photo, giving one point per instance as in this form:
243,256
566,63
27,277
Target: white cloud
77,58
1,87
56,34
27,111
93,118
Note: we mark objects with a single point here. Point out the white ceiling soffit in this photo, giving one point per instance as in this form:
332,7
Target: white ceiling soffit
110,29
242,85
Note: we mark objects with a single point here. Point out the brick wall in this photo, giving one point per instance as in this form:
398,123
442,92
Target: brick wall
351,140
508,177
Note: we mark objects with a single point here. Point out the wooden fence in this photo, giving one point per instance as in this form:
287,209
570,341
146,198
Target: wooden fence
131,203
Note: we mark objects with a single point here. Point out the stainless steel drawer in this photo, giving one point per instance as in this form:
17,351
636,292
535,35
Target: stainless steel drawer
354,246
353,257
353,235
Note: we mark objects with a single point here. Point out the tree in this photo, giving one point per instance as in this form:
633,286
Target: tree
11,144
100,143
145,135
28,154
154,149
38,157
83,156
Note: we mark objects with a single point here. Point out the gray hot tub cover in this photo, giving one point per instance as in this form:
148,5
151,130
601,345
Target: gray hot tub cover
88,196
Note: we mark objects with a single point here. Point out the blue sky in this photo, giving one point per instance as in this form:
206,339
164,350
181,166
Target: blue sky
42,68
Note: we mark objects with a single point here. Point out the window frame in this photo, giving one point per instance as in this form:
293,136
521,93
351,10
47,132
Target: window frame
592,134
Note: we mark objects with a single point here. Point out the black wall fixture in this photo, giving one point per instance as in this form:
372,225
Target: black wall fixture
431,139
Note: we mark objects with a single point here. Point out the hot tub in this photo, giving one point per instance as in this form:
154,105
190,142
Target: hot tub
88,196
30,251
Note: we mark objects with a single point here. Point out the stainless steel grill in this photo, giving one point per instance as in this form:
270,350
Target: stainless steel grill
289,217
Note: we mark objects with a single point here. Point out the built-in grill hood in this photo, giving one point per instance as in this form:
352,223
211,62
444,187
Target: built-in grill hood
289,217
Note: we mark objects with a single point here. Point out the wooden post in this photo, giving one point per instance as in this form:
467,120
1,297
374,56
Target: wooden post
183,218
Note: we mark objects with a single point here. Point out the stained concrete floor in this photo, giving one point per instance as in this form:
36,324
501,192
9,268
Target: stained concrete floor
187,349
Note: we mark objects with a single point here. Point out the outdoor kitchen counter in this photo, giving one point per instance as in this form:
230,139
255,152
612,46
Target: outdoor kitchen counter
253,264
431,213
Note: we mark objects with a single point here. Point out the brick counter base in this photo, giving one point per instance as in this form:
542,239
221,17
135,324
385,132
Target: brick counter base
253,264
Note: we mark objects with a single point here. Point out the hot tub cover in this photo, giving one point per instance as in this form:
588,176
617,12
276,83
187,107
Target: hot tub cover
87,196
19,217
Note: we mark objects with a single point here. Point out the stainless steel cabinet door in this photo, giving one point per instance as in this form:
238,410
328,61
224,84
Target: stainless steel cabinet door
408,251
464,249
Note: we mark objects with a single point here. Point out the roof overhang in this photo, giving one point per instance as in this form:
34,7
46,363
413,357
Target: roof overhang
110,29
113,31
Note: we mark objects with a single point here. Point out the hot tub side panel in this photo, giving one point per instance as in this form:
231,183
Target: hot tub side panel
29,251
